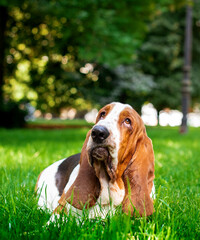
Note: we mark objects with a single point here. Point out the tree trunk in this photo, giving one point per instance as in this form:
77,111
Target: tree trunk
187,67
3,20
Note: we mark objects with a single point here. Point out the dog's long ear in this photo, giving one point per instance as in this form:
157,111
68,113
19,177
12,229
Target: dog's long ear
85,189
138,178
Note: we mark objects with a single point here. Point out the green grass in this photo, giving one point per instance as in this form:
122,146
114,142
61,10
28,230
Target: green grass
25,153
54,121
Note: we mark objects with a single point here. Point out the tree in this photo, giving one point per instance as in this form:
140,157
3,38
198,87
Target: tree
74,53
161,56
59,38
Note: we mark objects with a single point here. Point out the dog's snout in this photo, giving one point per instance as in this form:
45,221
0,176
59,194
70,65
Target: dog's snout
99,134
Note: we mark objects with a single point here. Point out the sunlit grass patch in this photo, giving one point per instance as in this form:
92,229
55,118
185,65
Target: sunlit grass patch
25,153
54,122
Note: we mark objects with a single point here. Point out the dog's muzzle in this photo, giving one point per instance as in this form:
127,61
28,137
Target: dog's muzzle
99,151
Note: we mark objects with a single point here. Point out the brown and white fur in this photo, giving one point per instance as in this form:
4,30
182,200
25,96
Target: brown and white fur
116,166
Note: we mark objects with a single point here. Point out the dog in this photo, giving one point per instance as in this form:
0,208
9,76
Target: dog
115,167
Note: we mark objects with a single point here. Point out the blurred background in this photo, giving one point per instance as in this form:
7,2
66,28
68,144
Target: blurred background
65,59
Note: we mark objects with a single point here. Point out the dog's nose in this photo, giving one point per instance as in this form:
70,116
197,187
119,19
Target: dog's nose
99,134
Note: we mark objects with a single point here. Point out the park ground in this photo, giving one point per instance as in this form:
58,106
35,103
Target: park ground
24,153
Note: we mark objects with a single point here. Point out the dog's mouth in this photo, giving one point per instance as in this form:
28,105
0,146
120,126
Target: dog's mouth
101,155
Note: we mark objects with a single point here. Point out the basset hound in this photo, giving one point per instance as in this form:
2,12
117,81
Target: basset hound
115,166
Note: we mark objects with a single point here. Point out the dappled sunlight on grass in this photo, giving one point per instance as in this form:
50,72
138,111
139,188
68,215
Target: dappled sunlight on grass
36,149
171,144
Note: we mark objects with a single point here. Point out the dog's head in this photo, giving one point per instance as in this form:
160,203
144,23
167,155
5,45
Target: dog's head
113,138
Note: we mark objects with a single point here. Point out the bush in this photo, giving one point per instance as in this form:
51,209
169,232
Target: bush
12,116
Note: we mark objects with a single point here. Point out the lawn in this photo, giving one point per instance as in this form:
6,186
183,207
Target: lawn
25,153
59,122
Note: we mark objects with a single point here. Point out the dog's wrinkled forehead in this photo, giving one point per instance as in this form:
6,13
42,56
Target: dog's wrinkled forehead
109,115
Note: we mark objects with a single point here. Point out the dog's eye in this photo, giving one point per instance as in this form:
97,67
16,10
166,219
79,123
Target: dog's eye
127,121
102,115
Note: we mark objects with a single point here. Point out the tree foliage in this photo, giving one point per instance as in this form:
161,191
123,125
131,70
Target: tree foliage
161,56
49,41
80,53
